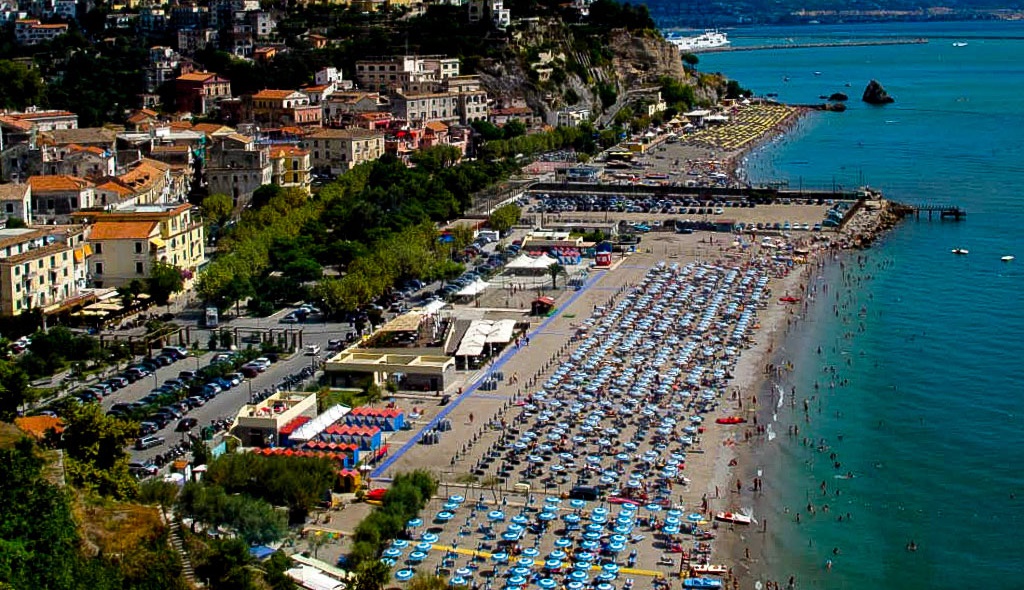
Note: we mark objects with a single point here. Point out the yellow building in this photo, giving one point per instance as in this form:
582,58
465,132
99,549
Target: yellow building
291,167
126,243
41,267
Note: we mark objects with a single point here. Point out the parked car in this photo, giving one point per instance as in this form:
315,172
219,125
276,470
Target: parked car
148,442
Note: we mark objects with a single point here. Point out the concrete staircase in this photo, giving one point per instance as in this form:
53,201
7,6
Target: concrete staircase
187,570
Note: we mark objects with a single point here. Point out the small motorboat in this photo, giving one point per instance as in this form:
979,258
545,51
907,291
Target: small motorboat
733,517
702,583
959,44
704,569
960,251
1007,258
731,420
789,299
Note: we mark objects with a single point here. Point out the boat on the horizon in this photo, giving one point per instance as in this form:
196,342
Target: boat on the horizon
1007,258
709,39
733,517
959,44
960,251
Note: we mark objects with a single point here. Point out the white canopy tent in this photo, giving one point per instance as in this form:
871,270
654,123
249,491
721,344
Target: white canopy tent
313,579
473,289
310,429
526,262
484,332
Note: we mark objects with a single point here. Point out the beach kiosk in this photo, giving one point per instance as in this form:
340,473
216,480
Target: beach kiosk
603,255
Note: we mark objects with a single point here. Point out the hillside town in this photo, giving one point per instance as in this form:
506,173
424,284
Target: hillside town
257,315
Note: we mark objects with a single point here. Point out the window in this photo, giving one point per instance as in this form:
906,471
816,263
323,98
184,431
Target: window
98,246
138,247
138,268
10,207
99,268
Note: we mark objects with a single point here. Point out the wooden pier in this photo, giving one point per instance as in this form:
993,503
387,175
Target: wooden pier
944,211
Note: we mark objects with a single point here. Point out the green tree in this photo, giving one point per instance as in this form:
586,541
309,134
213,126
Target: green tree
158,493
371,575
425,581
373,394
164,280
20,86
38,537
14,390
218,207
503,218
554,270
94,451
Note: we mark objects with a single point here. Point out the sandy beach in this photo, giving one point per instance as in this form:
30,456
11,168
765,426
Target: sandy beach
501,447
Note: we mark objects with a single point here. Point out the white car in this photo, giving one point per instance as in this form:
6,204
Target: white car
312,349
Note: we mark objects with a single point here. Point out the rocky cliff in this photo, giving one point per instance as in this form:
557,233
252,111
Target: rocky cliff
551,66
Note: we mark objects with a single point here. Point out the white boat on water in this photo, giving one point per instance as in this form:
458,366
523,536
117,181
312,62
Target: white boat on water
709,39
960,251
733,517
959,44
1007,258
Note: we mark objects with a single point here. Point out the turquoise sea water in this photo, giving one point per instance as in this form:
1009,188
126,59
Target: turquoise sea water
932,344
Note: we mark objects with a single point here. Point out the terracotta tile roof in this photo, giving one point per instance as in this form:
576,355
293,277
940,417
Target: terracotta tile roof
436,126
57,182
293,131
37,426
197,76
91,149
82,136
9,121
320,88
41,115
114,186
345,134
273,94
122,230
13,192
287,151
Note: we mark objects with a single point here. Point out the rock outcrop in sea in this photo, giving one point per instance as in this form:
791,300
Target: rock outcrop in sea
838,96
876,94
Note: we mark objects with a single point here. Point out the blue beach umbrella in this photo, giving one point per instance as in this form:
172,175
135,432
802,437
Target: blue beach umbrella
577,504
510,536
388,562
500,557
457,499
417,556
399,543
424,546
552,564
547,583
404,575
531,552
517,580
415,522
495,515
429,537
524,562
391,553
562,543
575,585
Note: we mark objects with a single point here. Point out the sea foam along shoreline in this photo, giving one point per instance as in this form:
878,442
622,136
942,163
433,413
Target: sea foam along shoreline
738,456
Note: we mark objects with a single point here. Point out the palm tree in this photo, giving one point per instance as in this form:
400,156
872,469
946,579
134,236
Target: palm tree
554,270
